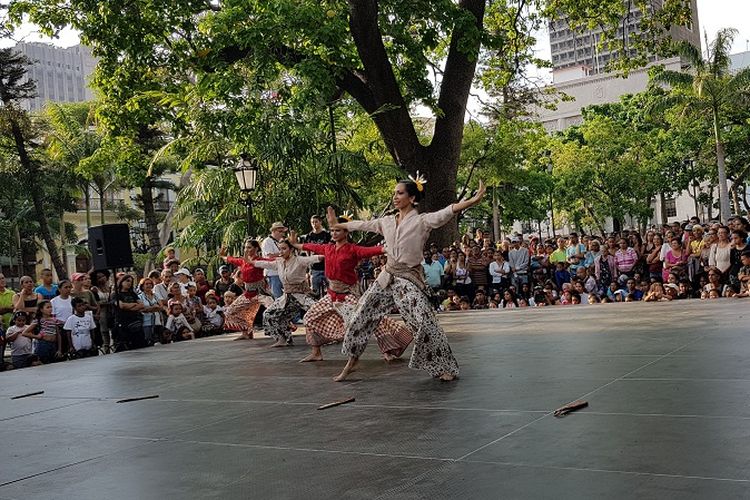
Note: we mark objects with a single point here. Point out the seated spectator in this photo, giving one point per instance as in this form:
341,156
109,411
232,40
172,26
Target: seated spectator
671,291
213,316
464,304
632,289
79,328
714,283
509,299
614,294
480,300
656,293
177,327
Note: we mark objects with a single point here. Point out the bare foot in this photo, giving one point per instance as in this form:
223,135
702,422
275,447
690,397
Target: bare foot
279,343
389,357
311,357
315,355
447,377
244,336
346,371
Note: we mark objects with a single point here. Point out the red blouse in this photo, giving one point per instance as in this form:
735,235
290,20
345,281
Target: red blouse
341,263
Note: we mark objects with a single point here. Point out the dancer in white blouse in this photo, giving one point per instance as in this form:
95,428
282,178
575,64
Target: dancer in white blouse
402,282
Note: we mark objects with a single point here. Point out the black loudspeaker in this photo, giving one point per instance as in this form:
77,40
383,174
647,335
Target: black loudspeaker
110,246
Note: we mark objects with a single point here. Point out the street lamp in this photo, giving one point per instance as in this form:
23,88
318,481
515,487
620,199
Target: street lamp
246,172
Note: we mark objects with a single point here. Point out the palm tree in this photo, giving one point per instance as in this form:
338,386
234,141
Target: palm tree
705,89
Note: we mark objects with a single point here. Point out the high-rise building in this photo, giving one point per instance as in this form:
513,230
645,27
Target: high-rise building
61,74
577,54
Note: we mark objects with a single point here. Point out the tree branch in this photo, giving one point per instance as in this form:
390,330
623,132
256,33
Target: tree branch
393,119
460,67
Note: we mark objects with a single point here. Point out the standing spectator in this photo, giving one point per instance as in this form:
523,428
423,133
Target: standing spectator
6,303
83,292
79,328
201,284
102,289
575,253
21,344
26,299
128,330
45,329
500,273
560,254
161,289
675,259
183,278
46,289
477,269
152,320
462,279
593,252
169,256
270,250
433,271
625,259
62,307
519,260
319,236
695,250
739,244
653,259
720,256
224,281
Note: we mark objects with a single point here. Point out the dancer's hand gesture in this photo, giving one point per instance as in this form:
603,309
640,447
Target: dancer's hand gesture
331,217
293,237
479,194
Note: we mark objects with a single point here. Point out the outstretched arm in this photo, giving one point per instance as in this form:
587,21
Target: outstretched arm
294,241
474,200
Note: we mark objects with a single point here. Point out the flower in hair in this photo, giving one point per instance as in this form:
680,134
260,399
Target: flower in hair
419,180
347,215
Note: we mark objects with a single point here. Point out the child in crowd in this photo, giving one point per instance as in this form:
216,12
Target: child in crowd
177,325
213,315
169,257
194,307
79,329
47,289
45,329
743,275
561,274
20,351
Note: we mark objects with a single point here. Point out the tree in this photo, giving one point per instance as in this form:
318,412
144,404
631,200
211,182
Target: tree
17,126
707,88
379,54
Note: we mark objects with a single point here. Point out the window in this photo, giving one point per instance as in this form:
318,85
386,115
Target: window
670,207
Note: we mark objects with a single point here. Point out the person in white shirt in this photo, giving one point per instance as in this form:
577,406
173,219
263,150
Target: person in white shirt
500,272
270,249
61,305
213,316
78,327
402,283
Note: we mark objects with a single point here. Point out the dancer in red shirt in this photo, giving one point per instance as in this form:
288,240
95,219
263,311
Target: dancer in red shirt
325,321
240,316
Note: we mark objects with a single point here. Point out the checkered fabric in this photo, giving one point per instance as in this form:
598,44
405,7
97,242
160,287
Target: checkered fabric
278,315
240,316
325,324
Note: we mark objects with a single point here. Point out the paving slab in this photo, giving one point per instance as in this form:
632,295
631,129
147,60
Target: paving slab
668,386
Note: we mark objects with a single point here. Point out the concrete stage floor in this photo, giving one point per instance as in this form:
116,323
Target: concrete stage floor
669,417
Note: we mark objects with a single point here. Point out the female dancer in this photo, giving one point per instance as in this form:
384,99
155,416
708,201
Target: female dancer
324,322
292,270
240,316
402,282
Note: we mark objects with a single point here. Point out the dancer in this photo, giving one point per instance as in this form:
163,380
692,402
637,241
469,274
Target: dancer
325,321
402,283
295,298
240,315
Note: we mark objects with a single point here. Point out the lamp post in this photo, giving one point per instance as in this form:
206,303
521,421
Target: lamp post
246,172
551,206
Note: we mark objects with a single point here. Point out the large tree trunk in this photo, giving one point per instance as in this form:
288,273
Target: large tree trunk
722,172
32,179
149,215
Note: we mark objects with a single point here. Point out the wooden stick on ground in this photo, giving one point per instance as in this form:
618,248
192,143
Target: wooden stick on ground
337,403
130,400
571,407
28,395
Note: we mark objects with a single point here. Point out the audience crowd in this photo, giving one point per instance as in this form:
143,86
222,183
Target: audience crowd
97,313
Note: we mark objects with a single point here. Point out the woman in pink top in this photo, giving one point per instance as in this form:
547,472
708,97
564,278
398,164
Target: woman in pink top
401,283
674,260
